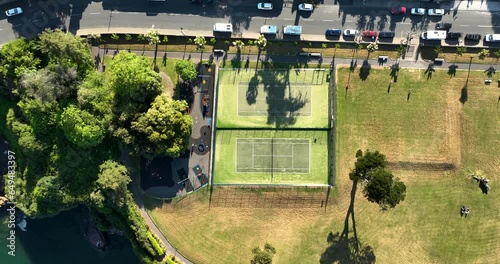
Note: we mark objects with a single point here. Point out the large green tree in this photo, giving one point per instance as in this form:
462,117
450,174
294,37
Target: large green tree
380,186
59,48
81,127
164,129
96,97
186,70
134,84
50,84
111,184
16,57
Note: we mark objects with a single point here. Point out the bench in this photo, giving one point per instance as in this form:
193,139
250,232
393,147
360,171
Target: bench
438,61
383,58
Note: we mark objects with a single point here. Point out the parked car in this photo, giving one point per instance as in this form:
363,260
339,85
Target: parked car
350,32
418,11
333,32
386,34
473,37
14,11
306,7
61,27
443,26
492,38
435,12
453,35
396,10
369,34
265,6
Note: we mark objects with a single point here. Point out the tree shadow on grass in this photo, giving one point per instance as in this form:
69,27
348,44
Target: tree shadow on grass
365,70
236,61
452,70
343,249
463,95
252,91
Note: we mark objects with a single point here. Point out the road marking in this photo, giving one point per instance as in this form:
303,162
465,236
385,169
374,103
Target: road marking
95,13
308,19
326,11
484,26
18,25
327,20
76,15
405,23
349,21
133,13
289,19
464,25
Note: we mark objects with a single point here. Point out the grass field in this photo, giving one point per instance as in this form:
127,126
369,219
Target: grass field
425,228
249,157
272,98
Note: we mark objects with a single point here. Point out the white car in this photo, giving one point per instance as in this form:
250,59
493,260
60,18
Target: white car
306,7
418,11
265,6
14,11
350,32
435,12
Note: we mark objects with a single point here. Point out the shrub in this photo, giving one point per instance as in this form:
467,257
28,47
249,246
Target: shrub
159,250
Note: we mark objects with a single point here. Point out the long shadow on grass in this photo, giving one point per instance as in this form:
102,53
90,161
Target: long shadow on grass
345,249
283,102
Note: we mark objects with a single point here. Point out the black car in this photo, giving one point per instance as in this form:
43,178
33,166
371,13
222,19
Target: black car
453,35
61,27
386,34
473,37
443,26
333,32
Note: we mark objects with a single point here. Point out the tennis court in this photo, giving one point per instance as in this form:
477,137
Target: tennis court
272,155
273,98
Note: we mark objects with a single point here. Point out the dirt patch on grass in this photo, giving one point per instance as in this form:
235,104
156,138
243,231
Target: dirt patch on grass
168,85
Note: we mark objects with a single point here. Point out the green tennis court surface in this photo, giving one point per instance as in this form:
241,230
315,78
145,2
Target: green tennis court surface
273,98
271,157
276,155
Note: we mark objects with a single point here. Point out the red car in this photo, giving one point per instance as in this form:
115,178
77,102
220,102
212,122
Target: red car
369,34
396,10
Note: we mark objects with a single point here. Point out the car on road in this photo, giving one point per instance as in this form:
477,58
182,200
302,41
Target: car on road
453,35
333,32
435,12
473,37
397,10
492,38
265,6
369,34
418,11
14,11
306,7
386,34
443,26
350,32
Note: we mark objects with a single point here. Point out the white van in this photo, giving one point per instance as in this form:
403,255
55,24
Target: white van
293,30
434,35
223,27
492,38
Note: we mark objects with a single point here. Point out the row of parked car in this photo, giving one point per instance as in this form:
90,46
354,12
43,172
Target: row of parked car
471,37
420,11
332,32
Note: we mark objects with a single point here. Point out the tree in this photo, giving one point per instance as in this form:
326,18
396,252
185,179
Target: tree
384,190
134,84
50,84
324,45
66,50
379,184
372,47
263,256
165,40
200,42
238,44
115,36
483,54
438,50
337,46
461,50
261,41
164,129
16,57
186,69
111,184
213,40
497,53
81,128
401,50
94,96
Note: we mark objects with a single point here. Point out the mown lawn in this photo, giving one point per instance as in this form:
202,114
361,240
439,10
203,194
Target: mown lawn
431,128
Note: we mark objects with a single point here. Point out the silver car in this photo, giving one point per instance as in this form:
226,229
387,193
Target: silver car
14,11
418,11
435,12
306,7
265,6
350,32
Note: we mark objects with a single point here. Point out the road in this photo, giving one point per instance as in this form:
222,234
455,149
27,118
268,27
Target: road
83,14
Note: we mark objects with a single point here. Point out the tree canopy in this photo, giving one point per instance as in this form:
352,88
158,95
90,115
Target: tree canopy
186,70
380,185
164,129
81,128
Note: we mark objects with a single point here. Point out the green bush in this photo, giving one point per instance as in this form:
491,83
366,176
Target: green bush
155,244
